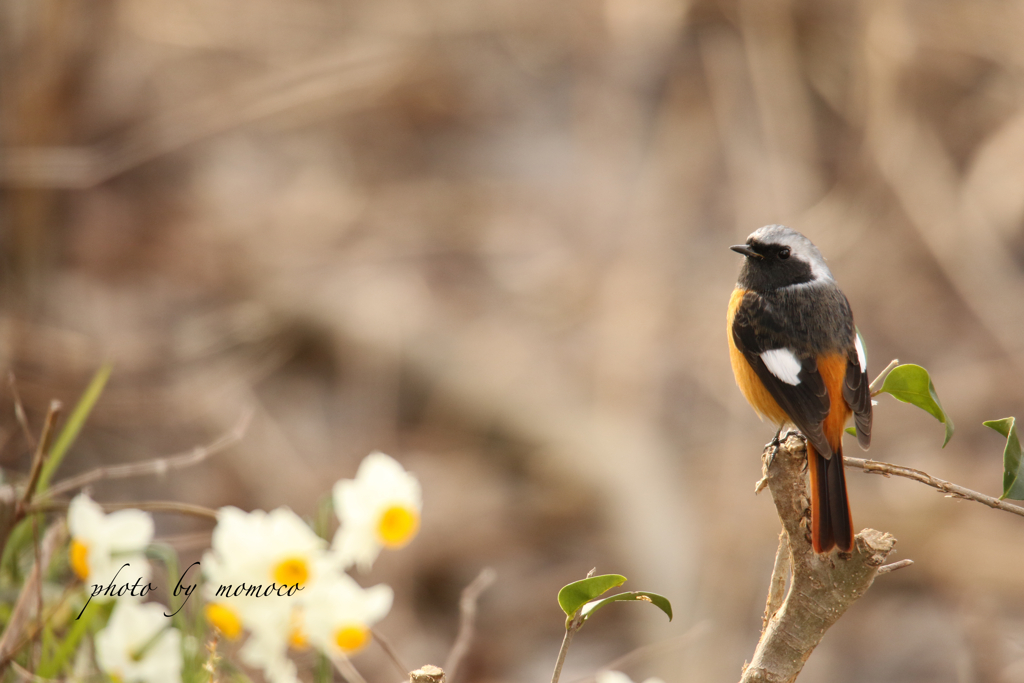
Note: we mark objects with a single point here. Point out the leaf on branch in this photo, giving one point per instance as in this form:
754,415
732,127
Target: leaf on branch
659,601
911,384
579,593
1013,467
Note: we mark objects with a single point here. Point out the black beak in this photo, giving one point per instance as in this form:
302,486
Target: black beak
745,250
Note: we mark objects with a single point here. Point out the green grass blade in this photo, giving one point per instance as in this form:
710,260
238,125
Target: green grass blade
74,425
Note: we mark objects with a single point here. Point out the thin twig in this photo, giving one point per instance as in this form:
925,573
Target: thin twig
156,465
886,568
390,651
344,666
877,383
562,651
19,411
955,490
467,620
20,614
39,457
147,505
212,658
570,630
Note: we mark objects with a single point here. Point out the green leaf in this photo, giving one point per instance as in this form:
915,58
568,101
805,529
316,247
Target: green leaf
1013,462
852,431
659,601
912,384
579,593
74,424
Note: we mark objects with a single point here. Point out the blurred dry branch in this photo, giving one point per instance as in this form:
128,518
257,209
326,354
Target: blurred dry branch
353,75
158,466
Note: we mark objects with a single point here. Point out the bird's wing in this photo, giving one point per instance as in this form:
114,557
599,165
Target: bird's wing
790,377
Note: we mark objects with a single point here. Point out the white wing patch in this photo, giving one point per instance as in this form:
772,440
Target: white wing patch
862,358
784,364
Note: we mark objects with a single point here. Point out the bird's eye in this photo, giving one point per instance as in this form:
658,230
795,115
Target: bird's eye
784,253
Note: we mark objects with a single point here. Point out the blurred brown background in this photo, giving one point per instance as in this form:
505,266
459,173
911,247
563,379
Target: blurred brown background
489,237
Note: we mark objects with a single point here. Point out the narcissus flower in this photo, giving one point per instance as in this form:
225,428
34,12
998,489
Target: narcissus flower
380,508
258,564
339,614
138,645
101,544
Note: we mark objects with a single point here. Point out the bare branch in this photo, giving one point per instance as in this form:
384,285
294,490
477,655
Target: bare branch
358,73
156,465
949,488
877,383
19,411
344,666
886,568
147,505
467,618
822,587
39,457
390,651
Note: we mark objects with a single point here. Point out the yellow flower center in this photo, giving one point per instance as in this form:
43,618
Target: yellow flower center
352,638
296,635
224,620
79,558
397,526
292,571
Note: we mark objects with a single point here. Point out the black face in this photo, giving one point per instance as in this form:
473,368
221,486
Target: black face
771,266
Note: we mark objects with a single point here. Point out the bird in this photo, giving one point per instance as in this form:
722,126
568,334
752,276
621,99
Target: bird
799,359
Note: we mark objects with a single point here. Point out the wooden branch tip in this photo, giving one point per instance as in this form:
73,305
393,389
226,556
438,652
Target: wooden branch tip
428,673
886,568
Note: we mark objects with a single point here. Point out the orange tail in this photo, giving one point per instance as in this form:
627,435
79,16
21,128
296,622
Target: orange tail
831,523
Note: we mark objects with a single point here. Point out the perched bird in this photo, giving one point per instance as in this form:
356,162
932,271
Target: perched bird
798,360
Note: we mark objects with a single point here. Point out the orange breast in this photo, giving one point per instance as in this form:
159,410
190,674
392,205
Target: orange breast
750,384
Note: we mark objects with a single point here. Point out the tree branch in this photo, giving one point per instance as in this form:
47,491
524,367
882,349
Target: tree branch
949,488
146,505
467,619
155,465
822,587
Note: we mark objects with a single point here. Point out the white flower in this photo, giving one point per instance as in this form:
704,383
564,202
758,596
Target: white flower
259,563
261,567
101,544
619,677
380,508
339,614
138,645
